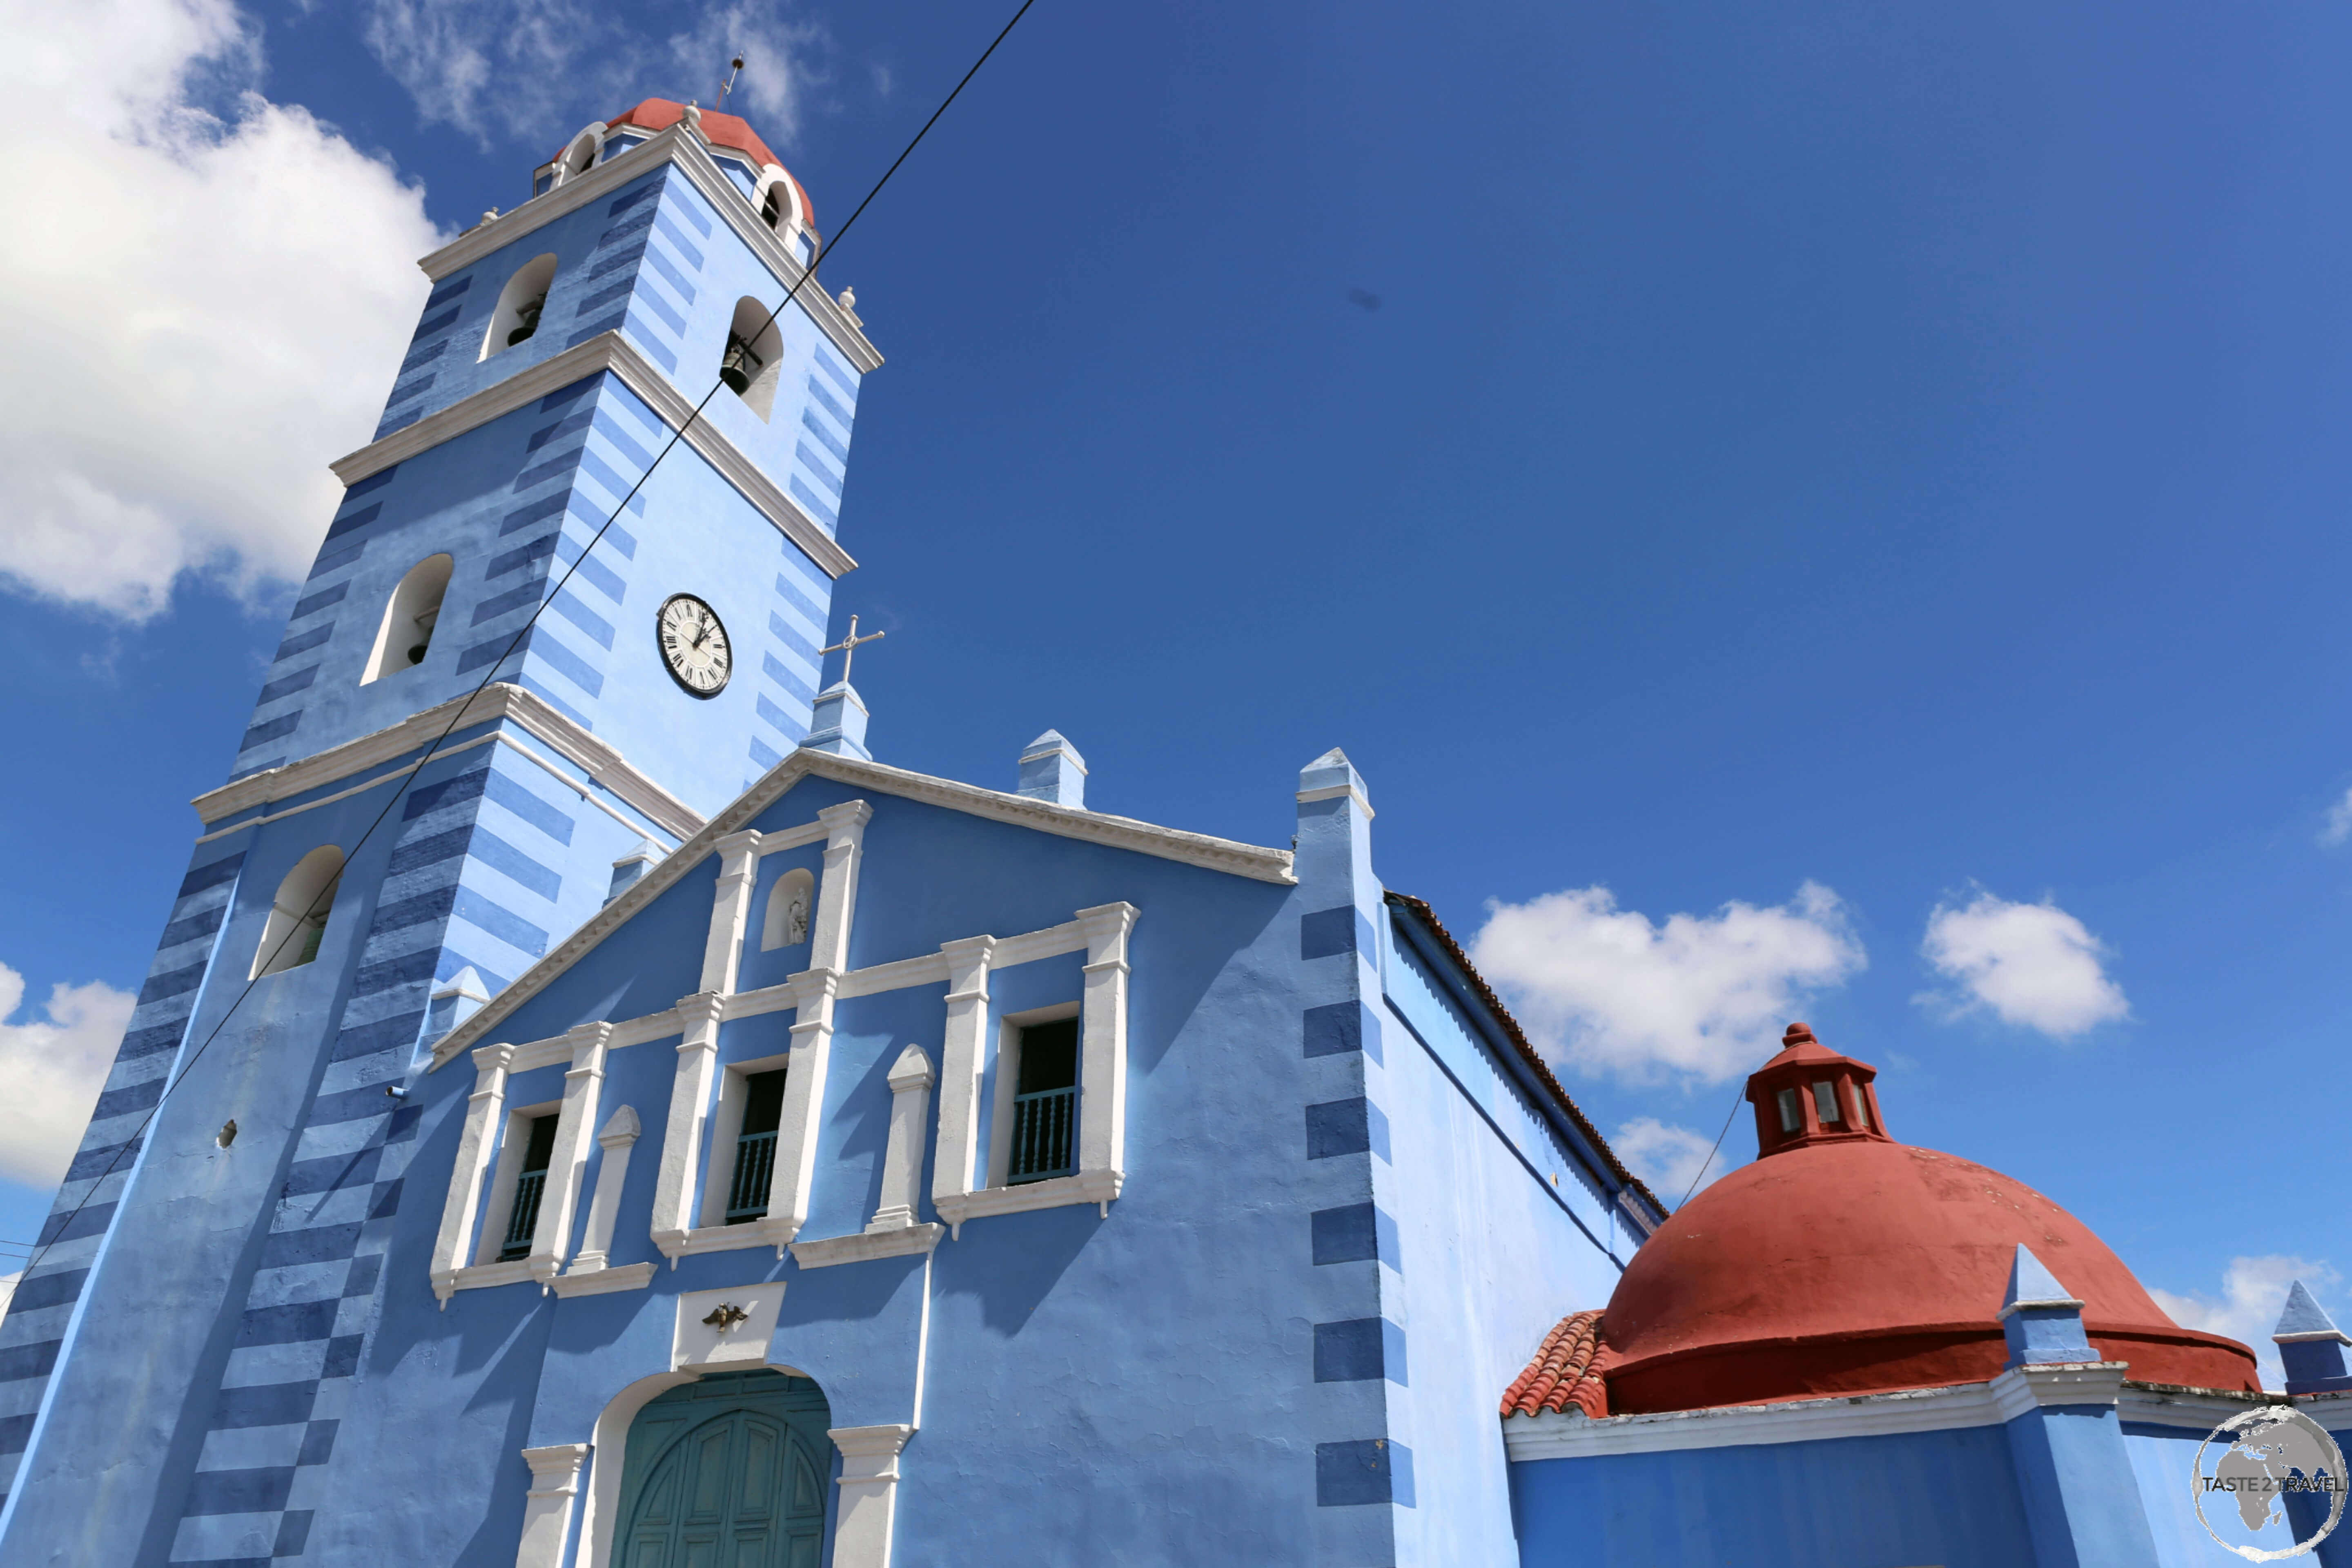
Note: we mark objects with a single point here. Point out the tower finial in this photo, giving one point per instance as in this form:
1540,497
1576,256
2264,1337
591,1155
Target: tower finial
847,646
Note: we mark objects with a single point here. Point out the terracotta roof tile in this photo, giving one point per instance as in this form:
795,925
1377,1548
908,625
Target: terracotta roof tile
1568,1370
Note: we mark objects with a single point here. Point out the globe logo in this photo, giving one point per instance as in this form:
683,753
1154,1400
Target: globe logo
2269,1483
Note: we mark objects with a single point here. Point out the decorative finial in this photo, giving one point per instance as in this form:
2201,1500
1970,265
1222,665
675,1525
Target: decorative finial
848,299
694,118
1799,1035
490,214
847,646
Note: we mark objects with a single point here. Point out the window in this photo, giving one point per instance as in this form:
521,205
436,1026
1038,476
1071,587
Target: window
786,923
516,318
530,1187
753,356
755,1147
1044,1132
1825,1101
298,915
1861,1109
408,619
1791,1118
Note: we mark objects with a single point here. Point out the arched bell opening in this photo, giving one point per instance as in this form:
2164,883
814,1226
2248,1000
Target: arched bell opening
753,356
515,320
298,911
406,633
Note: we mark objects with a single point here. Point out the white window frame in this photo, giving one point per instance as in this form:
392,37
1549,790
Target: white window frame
726,1127
514,1142
1008,1075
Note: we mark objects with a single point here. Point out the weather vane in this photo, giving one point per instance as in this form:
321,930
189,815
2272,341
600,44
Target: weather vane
728,84
847,646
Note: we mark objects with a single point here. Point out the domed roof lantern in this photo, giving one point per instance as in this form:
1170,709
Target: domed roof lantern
1809,1094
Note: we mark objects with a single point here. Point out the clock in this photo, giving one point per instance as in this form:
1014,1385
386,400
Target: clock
694,645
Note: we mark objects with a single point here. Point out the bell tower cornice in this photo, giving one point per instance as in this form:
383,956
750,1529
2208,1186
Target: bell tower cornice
682,146
612,352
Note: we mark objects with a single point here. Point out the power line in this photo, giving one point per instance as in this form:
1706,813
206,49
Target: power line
1712,1152
325,899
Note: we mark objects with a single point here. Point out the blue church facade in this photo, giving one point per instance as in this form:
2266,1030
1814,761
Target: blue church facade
653,1129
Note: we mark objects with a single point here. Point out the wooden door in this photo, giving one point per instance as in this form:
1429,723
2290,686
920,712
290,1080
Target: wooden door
741,1486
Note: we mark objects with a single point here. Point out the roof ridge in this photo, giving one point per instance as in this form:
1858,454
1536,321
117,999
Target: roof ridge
1527,1053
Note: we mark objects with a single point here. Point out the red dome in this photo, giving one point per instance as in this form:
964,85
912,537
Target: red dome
1842,1262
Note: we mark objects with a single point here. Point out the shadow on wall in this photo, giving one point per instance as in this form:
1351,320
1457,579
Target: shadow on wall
1018,1261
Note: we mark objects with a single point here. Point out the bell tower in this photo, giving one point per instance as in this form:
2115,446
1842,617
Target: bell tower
172,1367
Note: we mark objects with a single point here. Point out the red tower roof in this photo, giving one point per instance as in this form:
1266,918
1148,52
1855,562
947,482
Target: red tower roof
1842,1262
720,129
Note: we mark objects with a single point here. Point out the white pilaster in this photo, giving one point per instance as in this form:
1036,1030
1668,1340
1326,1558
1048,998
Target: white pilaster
690,1103
963,1055
836,894
567,1167
789,1184
869,1493
902,1156
619,1137
474,1144
1102,1040
547,1507
730,909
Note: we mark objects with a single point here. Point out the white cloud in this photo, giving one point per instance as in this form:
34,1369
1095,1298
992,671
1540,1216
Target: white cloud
2029,964
1703,997
775,77
2253,1293
202,311
1668,1157
50,1072
542,68
2338,826
881,79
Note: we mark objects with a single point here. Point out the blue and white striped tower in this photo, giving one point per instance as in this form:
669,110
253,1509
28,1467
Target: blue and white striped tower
173,1367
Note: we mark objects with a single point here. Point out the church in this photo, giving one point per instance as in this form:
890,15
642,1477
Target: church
615,1119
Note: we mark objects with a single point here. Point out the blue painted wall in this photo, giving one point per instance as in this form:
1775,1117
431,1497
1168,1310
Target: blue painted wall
1945,1498
1157,1385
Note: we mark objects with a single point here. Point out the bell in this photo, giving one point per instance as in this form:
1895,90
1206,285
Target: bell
740,366
529,317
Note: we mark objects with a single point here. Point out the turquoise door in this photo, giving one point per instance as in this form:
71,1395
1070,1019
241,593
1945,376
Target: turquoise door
730,1473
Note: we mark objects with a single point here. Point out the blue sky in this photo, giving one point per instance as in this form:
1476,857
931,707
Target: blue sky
1867,483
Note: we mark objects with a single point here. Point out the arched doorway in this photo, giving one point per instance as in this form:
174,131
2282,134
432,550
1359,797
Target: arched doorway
735,1468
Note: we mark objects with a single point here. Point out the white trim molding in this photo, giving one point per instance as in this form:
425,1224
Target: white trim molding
678,145
905,1241
1100,1188
547,1506
606,351
596,758
2013,1393
869,1493
1115,832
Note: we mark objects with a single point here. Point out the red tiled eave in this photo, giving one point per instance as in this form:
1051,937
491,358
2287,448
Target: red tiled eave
1568,1370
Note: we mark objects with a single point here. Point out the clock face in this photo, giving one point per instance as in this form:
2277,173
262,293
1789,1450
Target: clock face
694,645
